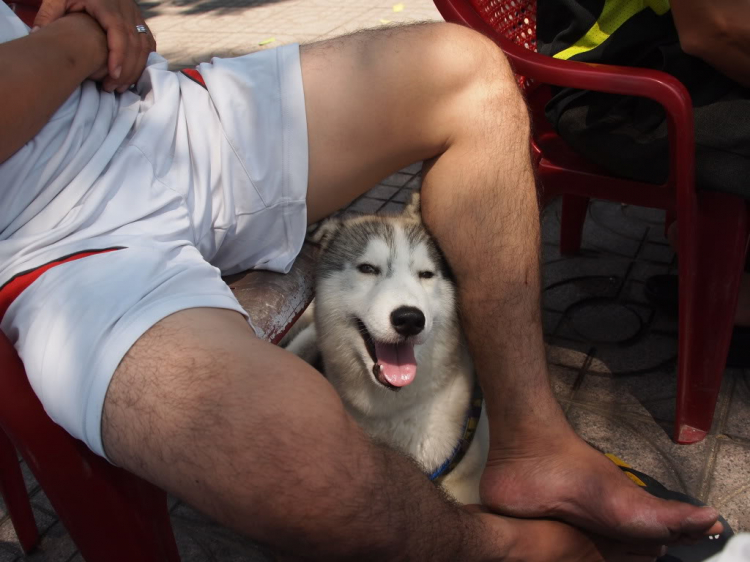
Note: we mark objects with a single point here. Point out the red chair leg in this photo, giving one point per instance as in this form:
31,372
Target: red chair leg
13,491
712,256
574,209
112,515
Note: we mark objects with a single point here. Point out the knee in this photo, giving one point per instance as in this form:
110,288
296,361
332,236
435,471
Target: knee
475,73
466,58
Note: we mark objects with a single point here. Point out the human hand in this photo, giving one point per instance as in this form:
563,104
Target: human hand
717,32
128,49
559,475
552,541
85,28
538,540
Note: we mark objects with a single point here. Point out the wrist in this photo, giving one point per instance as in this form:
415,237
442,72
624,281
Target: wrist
83,40
486,537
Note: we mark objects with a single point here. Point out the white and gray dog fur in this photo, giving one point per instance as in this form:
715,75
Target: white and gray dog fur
387,331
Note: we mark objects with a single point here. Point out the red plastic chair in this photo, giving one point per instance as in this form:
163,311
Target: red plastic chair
714,227
111,515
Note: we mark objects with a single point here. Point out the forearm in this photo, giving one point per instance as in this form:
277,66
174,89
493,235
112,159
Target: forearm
41,71
401,516
366,502
717,32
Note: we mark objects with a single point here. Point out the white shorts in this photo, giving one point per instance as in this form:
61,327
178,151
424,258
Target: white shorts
211,180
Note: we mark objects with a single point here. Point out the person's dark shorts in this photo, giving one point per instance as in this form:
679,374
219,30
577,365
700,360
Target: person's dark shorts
628,136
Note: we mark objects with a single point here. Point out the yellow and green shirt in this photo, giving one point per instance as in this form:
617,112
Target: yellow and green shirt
614,31
637,33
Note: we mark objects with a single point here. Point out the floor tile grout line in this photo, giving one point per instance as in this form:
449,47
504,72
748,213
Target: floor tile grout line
625,414
733,494
708,470
624,282
726,405
42,535
11,550
600,408
580,376
45,510
390,199
707,475
627,423
738,440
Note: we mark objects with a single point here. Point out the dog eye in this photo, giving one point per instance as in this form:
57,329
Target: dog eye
426,275
368,269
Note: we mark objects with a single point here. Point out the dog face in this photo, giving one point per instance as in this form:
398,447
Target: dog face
383,291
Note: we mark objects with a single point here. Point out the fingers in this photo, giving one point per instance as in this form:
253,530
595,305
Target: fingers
693,538
136,51
716,529
49,11
119,41
699,525
147,45
128,48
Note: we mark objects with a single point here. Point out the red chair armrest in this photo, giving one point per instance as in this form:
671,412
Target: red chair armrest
661,87
658,86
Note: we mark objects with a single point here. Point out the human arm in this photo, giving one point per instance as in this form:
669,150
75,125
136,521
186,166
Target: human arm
128,49
40,71
717,32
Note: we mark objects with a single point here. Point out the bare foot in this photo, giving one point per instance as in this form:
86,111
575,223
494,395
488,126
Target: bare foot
564,478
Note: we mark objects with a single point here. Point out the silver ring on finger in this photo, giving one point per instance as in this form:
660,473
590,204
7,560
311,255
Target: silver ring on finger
141,28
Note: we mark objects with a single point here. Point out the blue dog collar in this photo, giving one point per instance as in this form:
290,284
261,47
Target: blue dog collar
470,428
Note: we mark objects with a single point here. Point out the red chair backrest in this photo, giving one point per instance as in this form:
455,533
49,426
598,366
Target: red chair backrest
514,20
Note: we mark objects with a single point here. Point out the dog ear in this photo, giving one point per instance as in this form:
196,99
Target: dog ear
413,209
324,232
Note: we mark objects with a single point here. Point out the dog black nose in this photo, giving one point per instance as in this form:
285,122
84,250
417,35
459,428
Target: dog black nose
407,320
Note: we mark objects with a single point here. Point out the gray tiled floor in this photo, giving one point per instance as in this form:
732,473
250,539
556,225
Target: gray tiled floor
191,31
612,355
618,354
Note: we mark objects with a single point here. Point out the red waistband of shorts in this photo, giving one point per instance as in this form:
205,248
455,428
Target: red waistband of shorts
195,76
11,290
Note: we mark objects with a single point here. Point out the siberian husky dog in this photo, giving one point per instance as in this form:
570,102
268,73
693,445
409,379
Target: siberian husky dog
386,330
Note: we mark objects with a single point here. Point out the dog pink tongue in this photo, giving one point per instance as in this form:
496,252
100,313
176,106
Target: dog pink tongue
397,362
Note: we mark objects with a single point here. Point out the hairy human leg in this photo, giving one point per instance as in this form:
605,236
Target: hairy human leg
254,437
479,200
378,101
